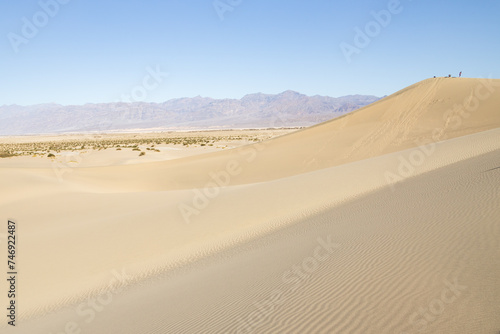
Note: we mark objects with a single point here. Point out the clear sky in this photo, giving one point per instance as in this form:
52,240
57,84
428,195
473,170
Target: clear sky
89,51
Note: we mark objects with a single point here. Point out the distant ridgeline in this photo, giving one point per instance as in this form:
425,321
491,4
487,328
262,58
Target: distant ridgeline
288,109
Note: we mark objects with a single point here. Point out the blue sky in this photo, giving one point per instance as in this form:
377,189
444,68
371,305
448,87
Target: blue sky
103,51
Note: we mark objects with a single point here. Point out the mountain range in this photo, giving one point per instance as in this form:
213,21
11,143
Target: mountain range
287,109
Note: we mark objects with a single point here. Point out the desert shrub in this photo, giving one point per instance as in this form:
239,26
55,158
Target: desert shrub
6,154
51,155
142,153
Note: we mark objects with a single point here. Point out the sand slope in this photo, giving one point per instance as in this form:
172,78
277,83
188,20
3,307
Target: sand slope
431,110
331,246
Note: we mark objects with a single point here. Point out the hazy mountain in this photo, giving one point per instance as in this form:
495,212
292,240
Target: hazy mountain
252,111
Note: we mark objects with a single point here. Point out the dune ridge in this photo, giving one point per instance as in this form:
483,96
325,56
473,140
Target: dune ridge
400,121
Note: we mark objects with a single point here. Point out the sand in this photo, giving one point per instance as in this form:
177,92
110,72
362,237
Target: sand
350,226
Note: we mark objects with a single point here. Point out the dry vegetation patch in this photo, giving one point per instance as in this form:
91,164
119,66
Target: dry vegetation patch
45,145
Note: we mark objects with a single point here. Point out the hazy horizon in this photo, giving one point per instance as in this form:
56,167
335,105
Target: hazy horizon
188,97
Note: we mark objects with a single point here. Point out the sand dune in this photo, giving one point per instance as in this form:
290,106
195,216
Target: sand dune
419,114
351,226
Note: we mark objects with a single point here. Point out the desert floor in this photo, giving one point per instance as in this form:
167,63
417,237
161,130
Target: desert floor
386,220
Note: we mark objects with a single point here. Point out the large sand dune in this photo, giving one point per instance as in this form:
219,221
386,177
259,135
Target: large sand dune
386,220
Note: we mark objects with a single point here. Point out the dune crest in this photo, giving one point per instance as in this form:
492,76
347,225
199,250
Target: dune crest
429,111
